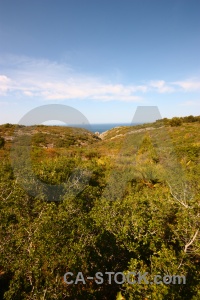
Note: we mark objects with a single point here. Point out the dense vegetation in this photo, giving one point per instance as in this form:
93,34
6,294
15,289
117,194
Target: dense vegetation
126,201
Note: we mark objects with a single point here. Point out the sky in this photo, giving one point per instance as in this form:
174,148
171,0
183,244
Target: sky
103,58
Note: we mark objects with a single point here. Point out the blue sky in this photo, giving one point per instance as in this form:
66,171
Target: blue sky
104,58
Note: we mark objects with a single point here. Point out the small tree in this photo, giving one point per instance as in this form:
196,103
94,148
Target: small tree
2,142
190,119
175,122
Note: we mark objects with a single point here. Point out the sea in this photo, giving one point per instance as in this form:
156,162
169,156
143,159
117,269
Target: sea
102,127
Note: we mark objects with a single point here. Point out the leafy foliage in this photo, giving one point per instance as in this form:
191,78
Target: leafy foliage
2,142
129,203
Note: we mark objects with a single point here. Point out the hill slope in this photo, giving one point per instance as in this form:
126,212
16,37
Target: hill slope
126,201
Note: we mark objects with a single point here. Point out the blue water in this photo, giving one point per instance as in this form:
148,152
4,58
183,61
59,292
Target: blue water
102,127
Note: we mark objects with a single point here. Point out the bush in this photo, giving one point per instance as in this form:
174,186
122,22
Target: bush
175,122
8,125
39,138
2,142
190,119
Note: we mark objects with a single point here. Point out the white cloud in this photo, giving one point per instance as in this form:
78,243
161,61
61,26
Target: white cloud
51,81
161,86
28,93
188,85
4,84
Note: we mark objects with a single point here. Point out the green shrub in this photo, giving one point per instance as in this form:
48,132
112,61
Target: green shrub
39,138
175,122
2,142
